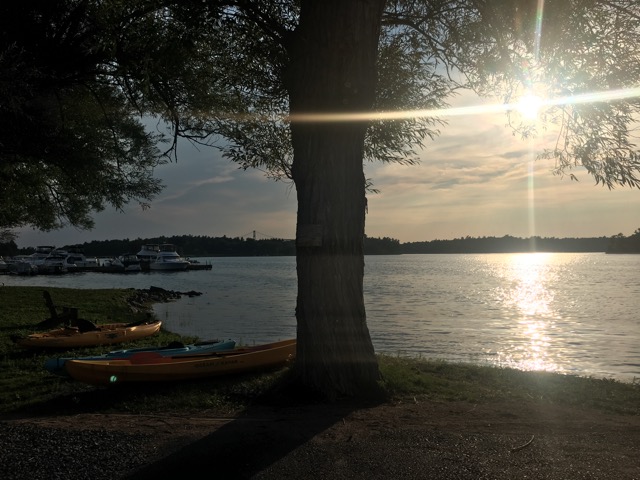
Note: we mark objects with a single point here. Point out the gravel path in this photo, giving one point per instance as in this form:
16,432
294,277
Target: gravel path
414,440
32,452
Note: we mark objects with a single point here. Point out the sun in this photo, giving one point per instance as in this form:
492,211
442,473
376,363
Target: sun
529,105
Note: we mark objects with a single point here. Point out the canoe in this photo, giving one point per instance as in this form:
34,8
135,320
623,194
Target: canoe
105,334
183,367
56,365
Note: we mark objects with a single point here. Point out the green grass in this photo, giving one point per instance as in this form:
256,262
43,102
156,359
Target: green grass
444,381
27,388
23,380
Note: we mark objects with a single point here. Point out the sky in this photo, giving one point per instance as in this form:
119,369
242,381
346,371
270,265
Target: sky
476,179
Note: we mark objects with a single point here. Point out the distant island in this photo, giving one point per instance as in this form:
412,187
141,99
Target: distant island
204,246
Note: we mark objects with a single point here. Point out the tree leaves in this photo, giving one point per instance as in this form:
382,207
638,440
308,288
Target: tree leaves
76,89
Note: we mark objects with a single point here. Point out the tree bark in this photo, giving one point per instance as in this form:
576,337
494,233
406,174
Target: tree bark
333,69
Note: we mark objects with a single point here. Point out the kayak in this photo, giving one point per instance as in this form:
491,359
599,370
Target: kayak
56,365
158,368
105,334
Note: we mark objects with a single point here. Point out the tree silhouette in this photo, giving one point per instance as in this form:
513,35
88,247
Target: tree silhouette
305,90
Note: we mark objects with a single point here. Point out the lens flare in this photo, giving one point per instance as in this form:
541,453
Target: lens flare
605,96
529,106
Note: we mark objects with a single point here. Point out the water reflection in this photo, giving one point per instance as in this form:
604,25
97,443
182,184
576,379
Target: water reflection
530,275
529,303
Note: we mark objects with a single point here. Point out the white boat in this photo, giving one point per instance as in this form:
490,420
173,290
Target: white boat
19,265
37,258
148,254
55,262
112,264
130,262
76,259
167,259
50,259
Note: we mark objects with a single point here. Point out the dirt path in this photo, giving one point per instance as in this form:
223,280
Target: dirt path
410,439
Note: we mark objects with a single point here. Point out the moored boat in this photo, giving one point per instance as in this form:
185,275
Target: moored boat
19,266
76,260
55,262
197,265
111,265
183,367
168,259
130,262
147,254
56,365
42,252
126,263
104,334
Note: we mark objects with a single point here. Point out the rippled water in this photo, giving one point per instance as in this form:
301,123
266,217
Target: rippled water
570,313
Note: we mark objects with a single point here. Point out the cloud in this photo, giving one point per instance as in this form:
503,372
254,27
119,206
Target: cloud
479,179
476,179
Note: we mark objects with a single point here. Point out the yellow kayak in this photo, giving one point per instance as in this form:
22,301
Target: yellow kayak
106,334
146,368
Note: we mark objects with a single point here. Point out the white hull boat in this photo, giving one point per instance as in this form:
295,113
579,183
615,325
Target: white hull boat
168,259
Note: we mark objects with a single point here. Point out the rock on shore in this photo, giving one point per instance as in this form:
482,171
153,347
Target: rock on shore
142,298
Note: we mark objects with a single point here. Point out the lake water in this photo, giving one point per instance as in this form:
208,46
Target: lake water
566,312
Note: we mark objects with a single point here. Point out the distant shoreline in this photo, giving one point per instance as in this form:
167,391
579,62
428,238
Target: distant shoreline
202,246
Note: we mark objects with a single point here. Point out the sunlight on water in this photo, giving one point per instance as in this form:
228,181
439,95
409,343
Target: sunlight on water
530,276
529,301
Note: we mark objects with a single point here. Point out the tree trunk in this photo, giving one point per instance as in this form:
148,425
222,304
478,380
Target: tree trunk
333,60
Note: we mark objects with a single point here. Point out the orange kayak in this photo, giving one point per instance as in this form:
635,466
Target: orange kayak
150,368
106,334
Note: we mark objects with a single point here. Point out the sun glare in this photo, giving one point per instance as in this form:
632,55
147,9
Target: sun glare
529,106
527,103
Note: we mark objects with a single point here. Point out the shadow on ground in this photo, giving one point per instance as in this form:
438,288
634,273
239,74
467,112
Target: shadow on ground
250,443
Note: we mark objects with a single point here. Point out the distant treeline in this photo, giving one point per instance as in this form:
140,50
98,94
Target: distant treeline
508,244
203,246
197,246
621,244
